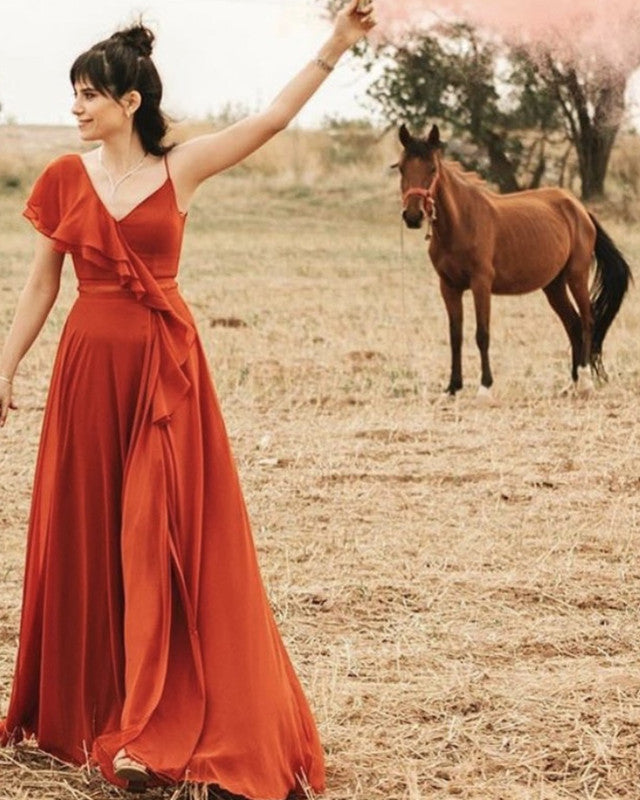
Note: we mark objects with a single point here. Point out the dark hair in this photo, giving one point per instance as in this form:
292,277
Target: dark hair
121,64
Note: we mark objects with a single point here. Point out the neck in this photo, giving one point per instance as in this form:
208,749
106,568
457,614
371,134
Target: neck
448,204
122,151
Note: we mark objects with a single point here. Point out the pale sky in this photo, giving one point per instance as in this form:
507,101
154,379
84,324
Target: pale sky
209,53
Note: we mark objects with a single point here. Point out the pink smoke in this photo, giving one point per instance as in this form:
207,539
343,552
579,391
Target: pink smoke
604,33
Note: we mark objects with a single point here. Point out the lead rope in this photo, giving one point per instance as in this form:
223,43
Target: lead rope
403,260
431,215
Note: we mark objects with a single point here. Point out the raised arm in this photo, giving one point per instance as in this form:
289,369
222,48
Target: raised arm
201,157
34,304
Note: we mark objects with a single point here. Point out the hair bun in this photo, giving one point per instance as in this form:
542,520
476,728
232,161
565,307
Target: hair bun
138,38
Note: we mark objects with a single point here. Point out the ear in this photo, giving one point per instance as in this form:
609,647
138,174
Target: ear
405,136
131,102
433,140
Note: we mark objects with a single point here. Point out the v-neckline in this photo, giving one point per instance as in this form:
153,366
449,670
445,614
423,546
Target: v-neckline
118,220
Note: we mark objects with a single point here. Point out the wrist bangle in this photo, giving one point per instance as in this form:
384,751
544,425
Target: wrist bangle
6,380
324,65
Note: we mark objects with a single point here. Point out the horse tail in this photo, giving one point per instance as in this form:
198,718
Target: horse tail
610,284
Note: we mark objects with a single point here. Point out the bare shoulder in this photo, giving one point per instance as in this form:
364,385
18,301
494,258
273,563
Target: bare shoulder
189,163
62,165
182,156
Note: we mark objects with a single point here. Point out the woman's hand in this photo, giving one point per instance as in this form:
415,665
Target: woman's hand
197,159
354,21
6,402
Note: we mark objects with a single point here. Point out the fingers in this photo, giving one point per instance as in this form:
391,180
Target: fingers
356,19
6,404
365,10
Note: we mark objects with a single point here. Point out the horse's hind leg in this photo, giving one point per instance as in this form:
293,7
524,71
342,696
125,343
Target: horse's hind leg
556,293
453,301
578,282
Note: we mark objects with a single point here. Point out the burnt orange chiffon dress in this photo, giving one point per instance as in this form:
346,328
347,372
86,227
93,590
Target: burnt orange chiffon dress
145,623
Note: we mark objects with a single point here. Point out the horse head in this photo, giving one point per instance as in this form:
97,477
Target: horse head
418,167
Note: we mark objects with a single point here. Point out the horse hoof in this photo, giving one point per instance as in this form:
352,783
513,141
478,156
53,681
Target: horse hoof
485,395
584,385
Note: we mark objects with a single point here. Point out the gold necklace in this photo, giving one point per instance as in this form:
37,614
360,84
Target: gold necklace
114,184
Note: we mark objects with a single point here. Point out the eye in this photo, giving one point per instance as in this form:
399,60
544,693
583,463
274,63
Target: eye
86,94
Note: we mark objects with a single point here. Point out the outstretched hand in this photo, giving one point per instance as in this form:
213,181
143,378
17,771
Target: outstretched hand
6,402
354,21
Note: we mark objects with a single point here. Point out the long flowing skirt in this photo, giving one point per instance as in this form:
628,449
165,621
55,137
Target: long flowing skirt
145,623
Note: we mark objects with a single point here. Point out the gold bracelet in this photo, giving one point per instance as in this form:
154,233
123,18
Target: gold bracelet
320,62
6,380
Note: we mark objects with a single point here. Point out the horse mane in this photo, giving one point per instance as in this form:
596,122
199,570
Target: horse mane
468,176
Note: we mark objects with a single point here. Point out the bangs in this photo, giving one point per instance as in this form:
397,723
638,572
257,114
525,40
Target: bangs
93,68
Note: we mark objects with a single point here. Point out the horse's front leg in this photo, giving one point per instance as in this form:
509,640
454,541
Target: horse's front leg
453,301
481,289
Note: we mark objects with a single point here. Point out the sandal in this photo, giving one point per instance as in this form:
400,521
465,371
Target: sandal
127,769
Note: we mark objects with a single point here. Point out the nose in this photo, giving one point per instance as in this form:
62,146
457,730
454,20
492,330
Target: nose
76,106
413,218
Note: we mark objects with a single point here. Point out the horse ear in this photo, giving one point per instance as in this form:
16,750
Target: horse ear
405,136
433,139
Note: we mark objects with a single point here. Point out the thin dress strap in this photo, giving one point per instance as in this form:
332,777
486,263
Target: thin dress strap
182,213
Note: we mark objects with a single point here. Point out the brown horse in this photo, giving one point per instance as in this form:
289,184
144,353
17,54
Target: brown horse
511,244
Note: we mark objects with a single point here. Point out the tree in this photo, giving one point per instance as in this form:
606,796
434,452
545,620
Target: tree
507,102
486,96
592,106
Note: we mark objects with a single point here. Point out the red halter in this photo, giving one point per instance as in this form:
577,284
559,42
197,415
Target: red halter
427,195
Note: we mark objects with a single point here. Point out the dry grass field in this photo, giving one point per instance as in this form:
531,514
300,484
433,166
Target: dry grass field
458,583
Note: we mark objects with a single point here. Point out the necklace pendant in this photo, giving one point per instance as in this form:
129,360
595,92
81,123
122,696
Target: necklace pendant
115,183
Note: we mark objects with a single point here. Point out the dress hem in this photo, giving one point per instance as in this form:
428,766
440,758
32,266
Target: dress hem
25,736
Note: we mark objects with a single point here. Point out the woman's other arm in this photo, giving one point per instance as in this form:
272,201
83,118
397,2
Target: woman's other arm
198,159
34,303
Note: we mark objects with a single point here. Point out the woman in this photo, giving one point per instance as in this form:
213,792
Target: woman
146,637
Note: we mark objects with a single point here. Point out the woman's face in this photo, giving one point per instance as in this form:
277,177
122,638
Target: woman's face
99,116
